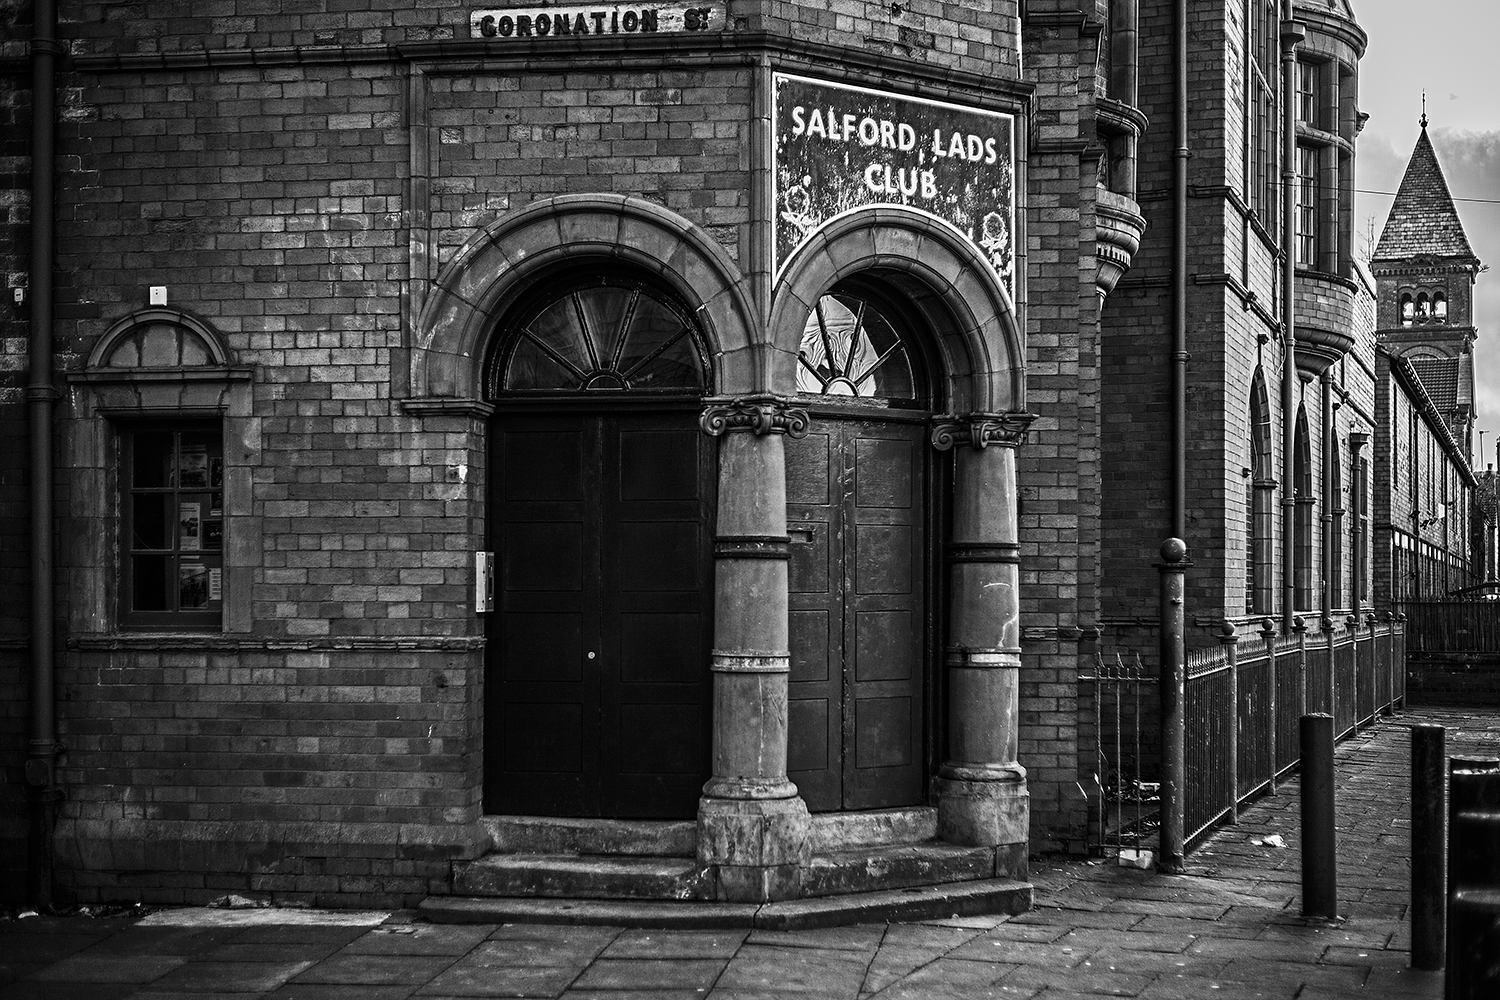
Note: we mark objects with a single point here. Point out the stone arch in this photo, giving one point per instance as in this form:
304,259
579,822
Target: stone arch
450,338
976,335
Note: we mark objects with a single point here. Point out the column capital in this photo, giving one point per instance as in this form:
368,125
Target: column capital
980,429
763,414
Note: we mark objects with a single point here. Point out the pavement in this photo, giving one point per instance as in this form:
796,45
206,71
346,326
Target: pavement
1230,927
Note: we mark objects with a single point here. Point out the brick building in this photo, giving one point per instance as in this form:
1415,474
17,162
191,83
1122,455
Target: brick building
1426,505
709,440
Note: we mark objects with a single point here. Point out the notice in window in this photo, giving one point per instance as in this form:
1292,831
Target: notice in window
213,535
215,584
194,588
194,473
189,527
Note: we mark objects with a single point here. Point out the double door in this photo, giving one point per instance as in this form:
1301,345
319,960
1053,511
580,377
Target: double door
856,515
597,681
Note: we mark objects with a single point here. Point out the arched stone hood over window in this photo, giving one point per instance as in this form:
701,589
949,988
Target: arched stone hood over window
449,338
946,278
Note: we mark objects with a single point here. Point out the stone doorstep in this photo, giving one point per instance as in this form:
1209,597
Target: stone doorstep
992,896
831,832
569,876
553,835
895,866
679,838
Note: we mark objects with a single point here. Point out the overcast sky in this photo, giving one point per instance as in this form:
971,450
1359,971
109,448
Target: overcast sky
1448,48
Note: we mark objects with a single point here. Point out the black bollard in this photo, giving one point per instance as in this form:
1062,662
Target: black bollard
1319,868
1473,785
1429,836
1473,946
1475,861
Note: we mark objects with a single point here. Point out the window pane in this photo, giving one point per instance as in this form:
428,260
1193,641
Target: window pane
557,328
849,348
674,368
149,582
194,351
604,312
653,325
611,335
153,460
192,585
126,355
197,453
159,346
149,527
531,368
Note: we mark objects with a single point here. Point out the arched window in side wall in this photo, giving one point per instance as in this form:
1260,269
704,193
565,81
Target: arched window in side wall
165,384
1302,517
1408,309
1259,503
1440,307
1423,306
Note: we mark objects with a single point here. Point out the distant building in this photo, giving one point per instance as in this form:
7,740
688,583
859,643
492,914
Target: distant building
1424,482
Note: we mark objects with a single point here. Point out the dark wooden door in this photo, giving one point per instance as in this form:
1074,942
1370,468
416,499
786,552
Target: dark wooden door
597,681
856,514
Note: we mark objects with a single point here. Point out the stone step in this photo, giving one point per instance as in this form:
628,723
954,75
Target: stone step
561,835
895,866
872,827
953,899
583,876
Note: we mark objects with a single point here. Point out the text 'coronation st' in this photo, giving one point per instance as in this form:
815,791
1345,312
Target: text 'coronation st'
580,21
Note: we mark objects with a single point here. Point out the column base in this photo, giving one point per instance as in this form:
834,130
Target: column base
987,814
758,847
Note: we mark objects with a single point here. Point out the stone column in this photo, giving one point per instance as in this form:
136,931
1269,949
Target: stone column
752,826
981,789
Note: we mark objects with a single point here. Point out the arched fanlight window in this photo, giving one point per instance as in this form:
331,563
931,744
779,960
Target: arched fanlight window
1408,309
608,333
851,347
158,344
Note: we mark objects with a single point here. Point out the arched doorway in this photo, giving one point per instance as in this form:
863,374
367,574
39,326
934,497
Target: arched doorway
601,492
858,510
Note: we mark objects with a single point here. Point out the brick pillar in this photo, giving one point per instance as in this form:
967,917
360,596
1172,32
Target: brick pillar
981,788
752,826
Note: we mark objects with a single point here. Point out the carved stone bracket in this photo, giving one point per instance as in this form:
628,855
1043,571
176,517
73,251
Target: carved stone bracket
980,430
764,414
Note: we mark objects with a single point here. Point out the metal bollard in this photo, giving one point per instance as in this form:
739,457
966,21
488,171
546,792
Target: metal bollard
1475,862
1473,946
1429,836
1473,785
1319,867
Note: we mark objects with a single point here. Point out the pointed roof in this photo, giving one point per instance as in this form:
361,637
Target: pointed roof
1423,220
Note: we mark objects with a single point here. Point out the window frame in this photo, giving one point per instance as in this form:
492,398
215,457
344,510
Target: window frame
210,618
1309,171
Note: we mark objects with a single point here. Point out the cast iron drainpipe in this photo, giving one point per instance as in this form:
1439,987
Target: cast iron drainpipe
1291,34
1172,686
41,760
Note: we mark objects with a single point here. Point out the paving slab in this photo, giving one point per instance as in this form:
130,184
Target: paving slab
1230,926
